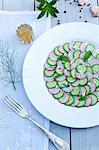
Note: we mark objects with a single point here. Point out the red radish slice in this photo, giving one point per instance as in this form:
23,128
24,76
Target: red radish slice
54,90
83,46
80,76
92,86
76,83
70,54
64,99
72,61
97,94
67,73
83,91
96,75
89,75
68,89
53,56
60,65
94,61
88,102
48,67
48,78
96,51
71,46
61,50
73,65
75,102
81,55
62,78
86,64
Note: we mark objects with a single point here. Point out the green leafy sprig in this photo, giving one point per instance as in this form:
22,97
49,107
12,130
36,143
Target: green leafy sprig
87,55
47,8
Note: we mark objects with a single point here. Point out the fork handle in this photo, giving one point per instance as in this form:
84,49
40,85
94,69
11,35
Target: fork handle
58,142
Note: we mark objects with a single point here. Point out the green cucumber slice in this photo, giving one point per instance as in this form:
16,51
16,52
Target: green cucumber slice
48,73
95,68
81,104
76,54
51,84
58,95
79,61
90,47
97,56
58,71
51,62
71,80
89,69
75,91
83,81
76,45
94,99
96,81
62,84
88,89
70,101
67,66
81,68
73,73
57,52
66,47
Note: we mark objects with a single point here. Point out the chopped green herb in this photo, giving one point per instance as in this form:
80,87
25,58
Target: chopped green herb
87,55
64,58
83,98
58,76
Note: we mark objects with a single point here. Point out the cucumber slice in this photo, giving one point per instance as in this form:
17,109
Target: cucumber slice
88,102
61,78
88,89
94,99
83,81
51,62
48,73
97,56
89,69
95,68
58,95
51,84
66,47
81,68
76,83
92,86
64,99
81,104
62,84
77,45
75,91
57,52
59,71
77,54
53,56
67,66
49,67
70,101
96,81
79,61
73,73
97,94
71,80
68,89
90,47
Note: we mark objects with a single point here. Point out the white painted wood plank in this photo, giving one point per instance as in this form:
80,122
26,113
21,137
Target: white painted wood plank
18,4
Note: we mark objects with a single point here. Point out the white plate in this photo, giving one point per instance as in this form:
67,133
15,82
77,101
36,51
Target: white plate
33,75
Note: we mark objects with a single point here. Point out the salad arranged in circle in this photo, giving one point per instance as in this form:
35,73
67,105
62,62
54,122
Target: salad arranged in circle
71,74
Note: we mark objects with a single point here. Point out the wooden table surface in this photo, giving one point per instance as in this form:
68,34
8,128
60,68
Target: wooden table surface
79,139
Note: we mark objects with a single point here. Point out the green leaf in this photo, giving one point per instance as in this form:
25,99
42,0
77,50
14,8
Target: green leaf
41,14
64,58
87,55
53,2
39,0
55,9
83,98
42,4
58,76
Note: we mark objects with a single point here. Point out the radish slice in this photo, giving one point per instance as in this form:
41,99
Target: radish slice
60,65
72,61
62,78
89,76
82,55
75,102
88,102
54,90
73,65
64,99
70,54
94,61
48,67
68,89
53,56
61,50
96,75
83,46
92,86
71,46
97,94
86,64
48,78
67,73
80,76
83,91
76,83
96,51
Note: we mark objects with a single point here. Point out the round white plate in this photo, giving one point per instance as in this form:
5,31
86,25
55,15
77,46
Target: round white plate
33,75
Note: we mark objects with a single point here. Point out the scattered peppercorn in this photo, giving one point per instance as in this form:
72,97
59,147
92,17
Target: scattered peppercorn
86,21
64,11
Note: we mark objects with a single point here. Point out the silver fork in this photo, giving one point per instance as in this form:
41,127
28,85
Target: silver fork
21,111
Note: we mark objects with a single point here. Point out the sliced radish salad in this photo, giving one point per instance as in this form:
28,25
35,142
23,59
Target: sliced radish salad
71,74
